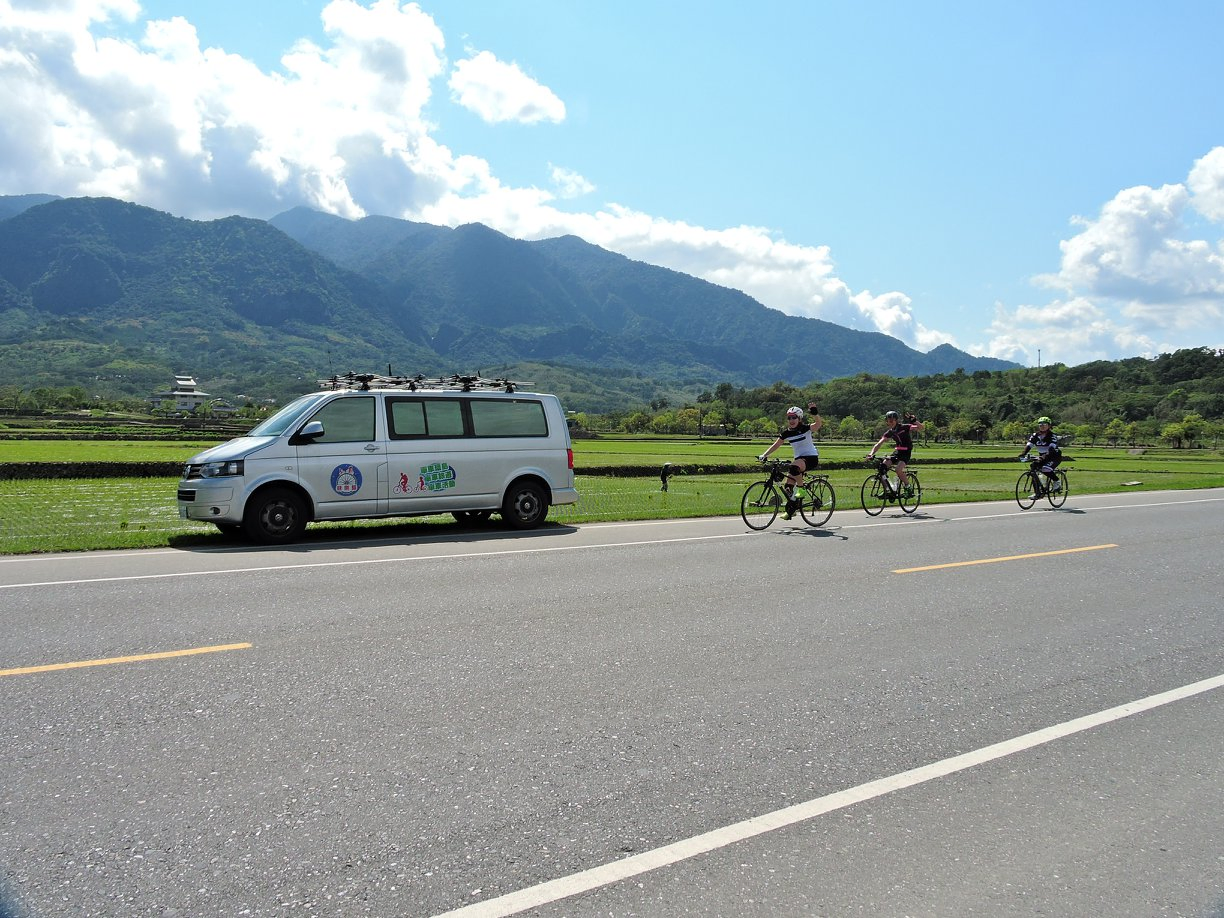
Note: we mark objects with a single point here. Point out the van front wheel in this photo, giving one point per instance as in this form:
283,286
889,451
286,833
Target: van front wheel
525,505
275,516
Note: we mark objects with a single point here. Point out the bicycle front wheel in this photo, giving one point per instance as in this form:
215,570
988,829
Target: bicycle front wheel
1058,497
819,499
873,496
759,508
1027,489
913,497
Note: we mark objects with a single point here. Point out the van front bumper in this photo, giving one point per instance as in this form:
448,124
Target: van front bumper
205,503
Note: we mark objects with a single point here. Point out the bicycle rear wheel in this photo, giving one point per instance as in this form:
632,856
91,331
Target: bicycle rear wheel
759,508
819,499
910,504
873,496
1027,486
1058,497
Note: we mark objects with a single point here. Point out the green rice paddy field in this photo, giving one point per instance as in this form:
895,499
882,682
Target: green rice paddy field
77,514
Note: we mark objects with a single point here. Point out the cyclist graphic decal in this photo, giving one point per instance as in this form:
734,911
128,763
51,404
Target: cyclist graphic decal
437,476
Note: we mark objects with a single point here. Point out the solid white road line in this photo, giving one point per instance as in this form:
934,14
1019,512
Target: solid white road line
449,556
607,874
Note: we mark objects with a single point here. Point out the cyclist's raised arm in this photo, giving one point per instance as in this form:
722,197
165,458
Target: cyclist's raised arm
815,421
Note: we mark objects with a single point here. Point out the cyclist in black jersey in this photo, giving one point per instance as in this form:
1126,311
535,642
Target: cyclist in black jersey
903,442
1045,441
807,457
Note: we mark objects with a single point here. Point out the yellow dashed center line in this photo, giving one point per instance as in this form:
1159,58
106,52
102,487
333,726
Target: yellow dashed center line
1039,554
137,658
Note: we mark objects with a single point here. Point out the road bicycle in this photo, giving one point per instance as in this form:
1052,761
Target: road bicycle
1034,485
763,500
878,490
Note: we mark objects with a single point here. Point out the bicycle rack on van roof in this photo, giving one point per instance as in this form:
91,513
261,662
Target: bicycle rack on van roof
464,383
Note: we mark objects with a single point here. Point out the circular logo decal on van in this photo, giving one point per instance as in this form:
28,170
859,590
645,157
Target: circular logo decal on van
346,479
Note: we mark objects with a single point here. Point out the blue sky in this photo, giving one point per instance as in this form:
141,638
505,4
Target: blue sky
1004,177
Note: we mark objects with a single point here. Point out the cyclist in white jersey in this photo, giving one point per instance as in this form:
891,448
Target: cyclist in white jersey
807,457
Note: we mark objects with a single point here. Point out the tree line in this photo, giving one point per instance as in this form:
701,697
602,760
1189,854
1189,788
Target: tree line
1175,398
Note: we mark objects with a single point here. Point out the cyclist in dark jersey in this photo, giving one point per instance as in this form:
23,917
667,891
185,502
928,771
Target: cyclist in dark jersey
807,457
1045,441
902,435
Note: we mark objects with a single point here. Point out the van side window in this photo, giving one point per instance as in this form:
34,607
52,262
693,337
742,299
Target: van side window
425,417
508,418
346,420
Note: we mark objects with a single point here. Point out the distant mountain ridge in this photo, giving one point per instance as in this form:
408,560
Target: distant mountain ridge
565,282
125,296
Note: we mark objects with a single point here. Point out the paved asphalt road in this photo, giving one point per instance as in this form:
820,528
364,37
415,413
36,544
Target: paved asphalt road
637,719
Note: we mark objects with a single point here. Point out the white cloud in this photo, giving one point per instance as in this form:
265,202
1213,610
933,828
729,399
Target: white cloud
203,133
1131,280
569,184
1206,184
497,91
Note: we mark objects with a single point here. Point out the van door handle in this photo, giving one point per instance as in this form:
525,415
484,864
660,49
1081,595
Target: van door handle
372,447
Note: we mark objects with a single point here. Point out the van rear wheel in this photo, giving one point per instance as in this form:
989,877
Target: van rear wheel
274,517
525,505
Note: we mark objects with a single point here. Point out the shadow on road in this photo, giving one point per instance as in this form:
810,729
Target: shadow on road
332,538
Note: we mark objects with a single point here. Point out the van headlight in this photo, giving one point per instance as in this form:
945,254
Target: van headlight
221,469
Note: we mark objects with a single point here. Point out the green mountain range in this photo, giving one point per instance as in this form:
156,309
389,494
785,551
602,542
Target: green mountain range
118,298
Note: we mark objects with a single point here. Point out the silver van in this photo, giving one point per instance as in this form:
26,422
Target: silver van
369,446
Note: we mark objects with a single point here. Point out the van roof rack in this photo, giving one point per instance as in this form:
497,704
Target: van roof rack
456,381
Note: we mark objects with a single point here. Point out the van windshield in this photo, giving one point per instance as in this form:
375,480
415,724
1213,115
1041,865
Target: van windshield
288,416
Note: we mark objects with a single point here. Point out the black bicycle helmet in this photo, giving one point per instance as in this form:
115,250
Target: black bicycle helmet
891,414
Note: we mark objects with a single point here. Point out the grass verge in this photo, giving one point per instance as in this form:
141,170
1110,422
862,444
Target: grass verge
117,513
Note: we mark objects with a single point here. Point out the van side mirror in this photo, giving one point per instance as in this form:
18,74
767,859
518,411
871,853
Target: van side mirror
308,434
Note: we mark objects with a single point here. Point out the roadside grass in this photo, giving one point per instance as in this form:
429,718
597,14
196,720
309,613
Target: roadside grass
649,453
63,515
101,450
606,450
51,515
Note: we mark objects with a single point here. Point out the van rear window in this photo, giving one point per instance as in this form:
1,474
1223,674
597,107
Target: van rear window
508,418
427,418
